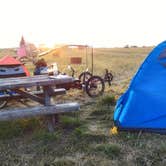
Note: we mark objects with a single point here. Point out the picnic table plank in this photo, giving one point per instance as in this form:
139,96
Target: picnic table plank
6,96
20,82
38,111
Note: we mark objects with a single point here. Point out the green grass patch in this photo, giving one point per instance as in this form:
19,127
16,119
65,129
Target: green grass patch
88,138
107,100
79,132
11,129
46,136
103,113
95,138
64,162
105,107
161,149
110,150
69,122
150,156
82,141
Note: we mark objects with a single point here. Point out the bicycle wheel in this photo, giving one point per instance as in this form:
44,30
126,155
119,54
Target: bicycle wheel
95,86
84,76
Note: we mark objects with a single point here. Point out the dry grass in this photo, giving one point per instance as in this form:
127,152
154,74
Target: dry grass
83,139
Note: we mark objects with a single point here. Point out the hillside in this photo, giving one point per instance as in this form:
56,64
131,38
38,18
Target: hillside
7,51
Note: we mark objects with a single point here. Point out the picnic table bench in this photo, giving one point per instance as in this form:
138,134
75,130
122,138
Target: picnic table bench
19,84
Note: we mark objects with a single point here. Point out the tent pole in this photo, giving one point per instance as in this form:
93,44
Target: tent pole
86,58
92,60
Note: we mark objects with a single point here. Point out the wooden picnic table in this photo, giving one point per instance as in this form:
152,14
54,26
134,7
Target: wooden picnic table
19,84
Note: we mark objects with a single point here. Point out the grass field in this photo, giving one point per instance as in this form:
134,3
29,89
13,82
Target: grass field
83,139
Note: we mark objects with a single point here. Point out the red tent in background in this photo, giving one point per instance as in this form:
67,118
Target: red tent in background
22,51
26,50
9,60
11,67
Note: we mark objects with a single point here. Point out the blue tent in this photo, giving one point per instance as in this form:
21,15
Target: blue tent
143,105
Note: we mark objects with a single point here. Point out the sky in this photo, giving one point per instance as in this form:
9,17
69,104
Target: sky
99,23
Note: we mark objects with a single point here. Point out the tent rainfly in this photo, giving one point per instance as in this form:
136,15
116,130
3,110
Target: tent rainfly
143,105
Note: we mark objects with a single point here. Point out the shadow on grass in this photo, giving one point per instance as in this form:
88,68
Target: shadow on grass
35,126
11,129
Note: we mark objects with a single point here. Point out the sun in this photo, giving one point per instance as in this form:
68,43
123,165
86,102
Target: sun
49,44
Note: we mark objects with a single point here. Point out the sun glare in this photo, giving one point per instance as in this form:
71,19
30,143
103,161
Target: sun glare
49,44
